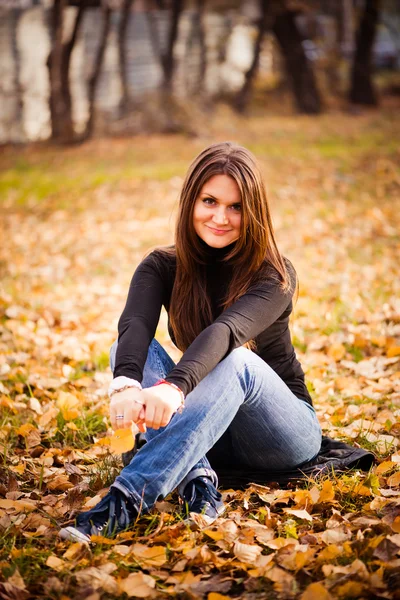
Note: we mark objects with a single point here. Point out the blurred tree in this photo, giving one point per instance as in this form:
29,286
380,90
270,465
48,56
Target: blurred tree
243,97
18,89
165,56
98,64
58,63
361,87
122,34
298,67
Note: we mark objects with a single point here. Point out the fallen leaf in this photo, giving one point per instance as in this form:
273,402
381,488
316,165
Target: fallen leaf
300,514
316,591
153,556
139,585
122,441
55,563
246,553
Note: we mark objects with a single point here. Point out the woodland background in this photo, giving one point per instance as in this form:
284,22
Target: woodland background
102,109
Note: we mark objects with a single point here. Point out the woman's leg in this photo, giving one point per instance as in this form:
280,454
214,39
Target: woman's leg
271,427
158,365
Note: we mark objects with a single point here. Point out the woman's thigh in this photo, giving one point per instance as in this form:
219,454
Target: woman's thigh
273,429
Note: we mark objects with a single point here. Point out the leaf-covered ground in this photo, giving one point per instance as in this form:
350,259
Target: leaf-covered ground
74,224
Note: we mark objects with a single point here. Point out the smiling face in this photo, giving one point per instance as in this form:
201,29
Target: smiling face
217,212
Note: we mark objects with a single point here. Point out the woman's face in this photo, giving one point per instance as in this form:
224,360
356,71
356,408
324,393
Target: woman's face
217,212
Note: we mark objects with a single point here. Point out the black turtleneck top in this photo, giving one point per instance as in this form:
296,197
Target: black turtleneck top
262,315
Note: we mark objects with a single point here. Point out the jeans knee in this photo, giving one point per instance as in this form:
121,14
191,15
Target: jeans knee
239,356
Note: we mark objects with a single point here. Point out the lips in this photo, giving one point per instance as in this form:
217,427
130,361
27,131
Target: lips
218,231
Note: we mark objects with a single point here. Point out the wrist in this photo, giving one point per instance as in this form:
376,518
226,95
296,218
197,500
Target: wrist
176,388
121,383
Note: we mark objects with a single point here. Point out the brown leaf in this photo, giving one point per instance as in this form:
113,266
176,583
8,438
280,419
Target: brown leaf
138,585
246,553
386,550
99,578
8,591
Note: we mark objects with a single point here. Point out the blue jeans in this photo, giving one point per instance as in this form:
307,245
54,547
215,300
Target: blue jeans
242,409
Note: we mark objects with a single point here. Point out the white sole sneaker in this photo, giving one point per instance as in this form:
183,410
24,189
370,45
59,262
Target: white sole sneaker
74,535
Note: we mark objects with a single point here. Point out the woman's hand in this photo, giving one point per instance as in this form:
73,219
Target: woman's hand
128,403
161,401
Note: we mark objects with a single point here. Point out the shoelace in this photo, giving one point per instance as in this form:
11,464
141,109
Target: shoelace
204,494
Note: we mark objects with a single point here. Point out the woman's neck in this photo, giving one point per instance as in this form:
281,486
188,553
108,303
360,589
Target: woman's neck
215,254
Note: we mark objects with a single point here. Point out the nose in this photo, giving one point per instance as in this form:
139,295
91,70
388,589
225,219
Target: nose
219,216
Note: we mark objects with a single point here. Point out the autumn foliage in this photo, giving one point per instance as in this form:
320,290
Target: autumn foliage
74,224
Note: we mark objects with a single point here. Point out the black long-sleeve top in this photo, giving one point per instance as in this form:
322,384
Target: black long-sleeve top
262,315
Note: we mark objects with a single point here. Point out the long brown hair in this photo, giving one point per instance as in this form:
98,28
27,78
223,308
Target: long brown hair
190,309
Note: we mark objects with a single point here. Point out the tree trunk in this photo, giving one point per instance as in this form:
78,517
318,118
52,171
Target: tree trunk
98,64
244,95
19,133
361,88
298,67
201,35
168,60
59,63
123,27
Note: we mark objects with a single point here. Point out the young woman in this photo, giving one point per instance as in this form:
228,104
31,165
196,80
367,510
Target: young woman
238,392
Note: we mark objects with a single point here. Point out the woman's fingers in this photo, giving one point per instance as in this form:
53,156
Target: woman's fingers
125,408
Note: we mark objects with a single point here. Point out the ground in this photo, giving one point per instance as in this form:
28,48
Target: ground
75,222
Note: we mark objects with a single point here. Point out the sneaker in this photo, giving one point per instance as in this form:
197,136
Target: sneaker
202,499
110,516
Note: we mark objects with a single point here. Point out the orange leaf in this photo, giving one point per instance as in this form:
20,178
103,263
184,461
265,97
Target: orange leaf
327,493
122,441
68,404
216,596
393,351
337,352
394,480
315,591
384,467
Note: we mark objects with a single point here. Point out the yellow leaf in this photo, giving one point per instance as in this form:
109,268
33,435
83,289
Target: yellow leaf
327,493
122,441
393,351
214,535
154,556
18,468
384,467
315,591
138,585
74,550
394,480
55,563
71,426
337,352
216,596
350,589
68,404
329,553
99,539
25,429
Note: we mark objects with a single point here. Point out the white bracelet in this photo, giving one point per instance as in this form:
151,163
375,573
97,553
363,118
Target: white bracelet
122,383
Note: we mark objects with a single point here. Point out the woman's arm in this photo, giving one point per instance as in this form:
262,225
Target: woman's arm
249,316
139,319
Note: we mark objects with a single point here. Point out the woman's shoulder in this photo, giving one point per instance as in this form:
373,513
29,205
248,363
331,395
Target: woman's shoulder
161,258
269,275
